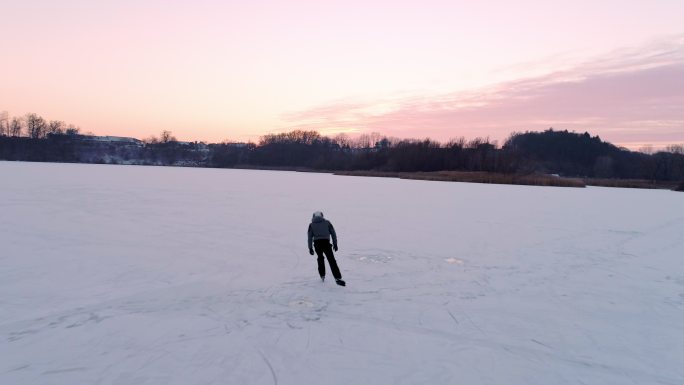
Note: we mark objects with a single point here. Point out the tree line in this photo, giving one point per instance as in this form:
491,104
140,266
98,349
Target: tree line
33,126
571,154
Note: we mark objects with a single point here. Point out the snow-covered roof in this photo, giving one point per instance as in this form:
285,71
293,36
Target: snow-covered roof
114,139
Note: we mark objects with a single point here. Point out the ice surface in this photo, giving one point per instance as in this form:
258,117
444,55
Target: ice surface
157,275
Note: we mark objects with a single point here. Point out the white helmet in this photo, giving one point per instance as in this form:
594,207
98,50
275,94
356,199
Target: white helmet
318,214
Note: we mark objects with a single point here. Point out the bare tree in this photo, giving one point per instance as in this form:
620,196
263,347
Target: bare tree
343,140
458,143
72,130
374,138
166,137
676,149
363,141
36,126
4,123
56,127
647,149
15,127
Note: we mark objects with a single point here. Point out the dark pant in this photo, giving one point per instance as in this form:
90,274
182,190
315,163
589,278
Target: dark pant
323,246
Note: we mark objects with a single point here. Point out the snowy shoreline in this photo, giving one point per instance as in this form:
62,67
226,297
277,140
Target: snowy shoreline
542,180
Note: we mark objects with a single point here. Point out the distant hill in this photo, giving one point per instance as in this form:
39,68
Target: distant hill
581,155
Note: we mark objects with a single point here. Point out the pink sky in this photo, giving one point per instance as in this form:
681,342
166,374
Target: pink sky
214,70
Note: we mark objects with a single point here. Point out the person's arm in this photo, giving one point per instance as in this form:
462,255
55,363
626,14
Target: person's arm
334,235
309,241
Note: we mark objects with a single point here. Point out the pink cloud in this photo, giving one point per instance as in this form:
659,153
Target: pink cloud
628,97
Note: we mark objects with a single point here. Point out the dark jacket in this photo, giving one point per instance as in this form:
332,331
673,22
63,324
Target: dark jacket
321,228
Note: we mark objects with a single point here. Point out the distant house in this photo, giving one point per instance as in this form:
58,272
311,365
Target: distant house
237,144
120,140
113,140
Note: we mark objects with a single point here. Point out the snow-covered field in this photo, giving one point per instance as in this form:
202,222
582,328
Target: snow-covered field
150,275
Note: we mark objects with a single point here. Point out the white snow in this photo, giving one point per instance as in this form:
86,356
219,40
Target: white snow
157,275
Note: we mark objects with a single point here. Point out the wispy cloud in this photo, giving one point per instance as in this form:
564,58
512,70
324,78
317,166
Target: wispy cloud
627,96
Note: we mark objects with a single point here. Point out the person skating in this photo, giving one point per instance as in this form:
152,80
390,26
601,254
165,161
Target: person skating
319,233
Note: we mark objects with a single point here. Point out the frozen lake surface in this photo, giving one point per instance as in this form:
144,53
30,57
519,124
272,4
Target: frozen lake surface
129,275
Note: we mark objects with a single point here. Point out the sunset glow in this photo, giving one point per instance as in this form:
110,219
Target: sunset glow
214,70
